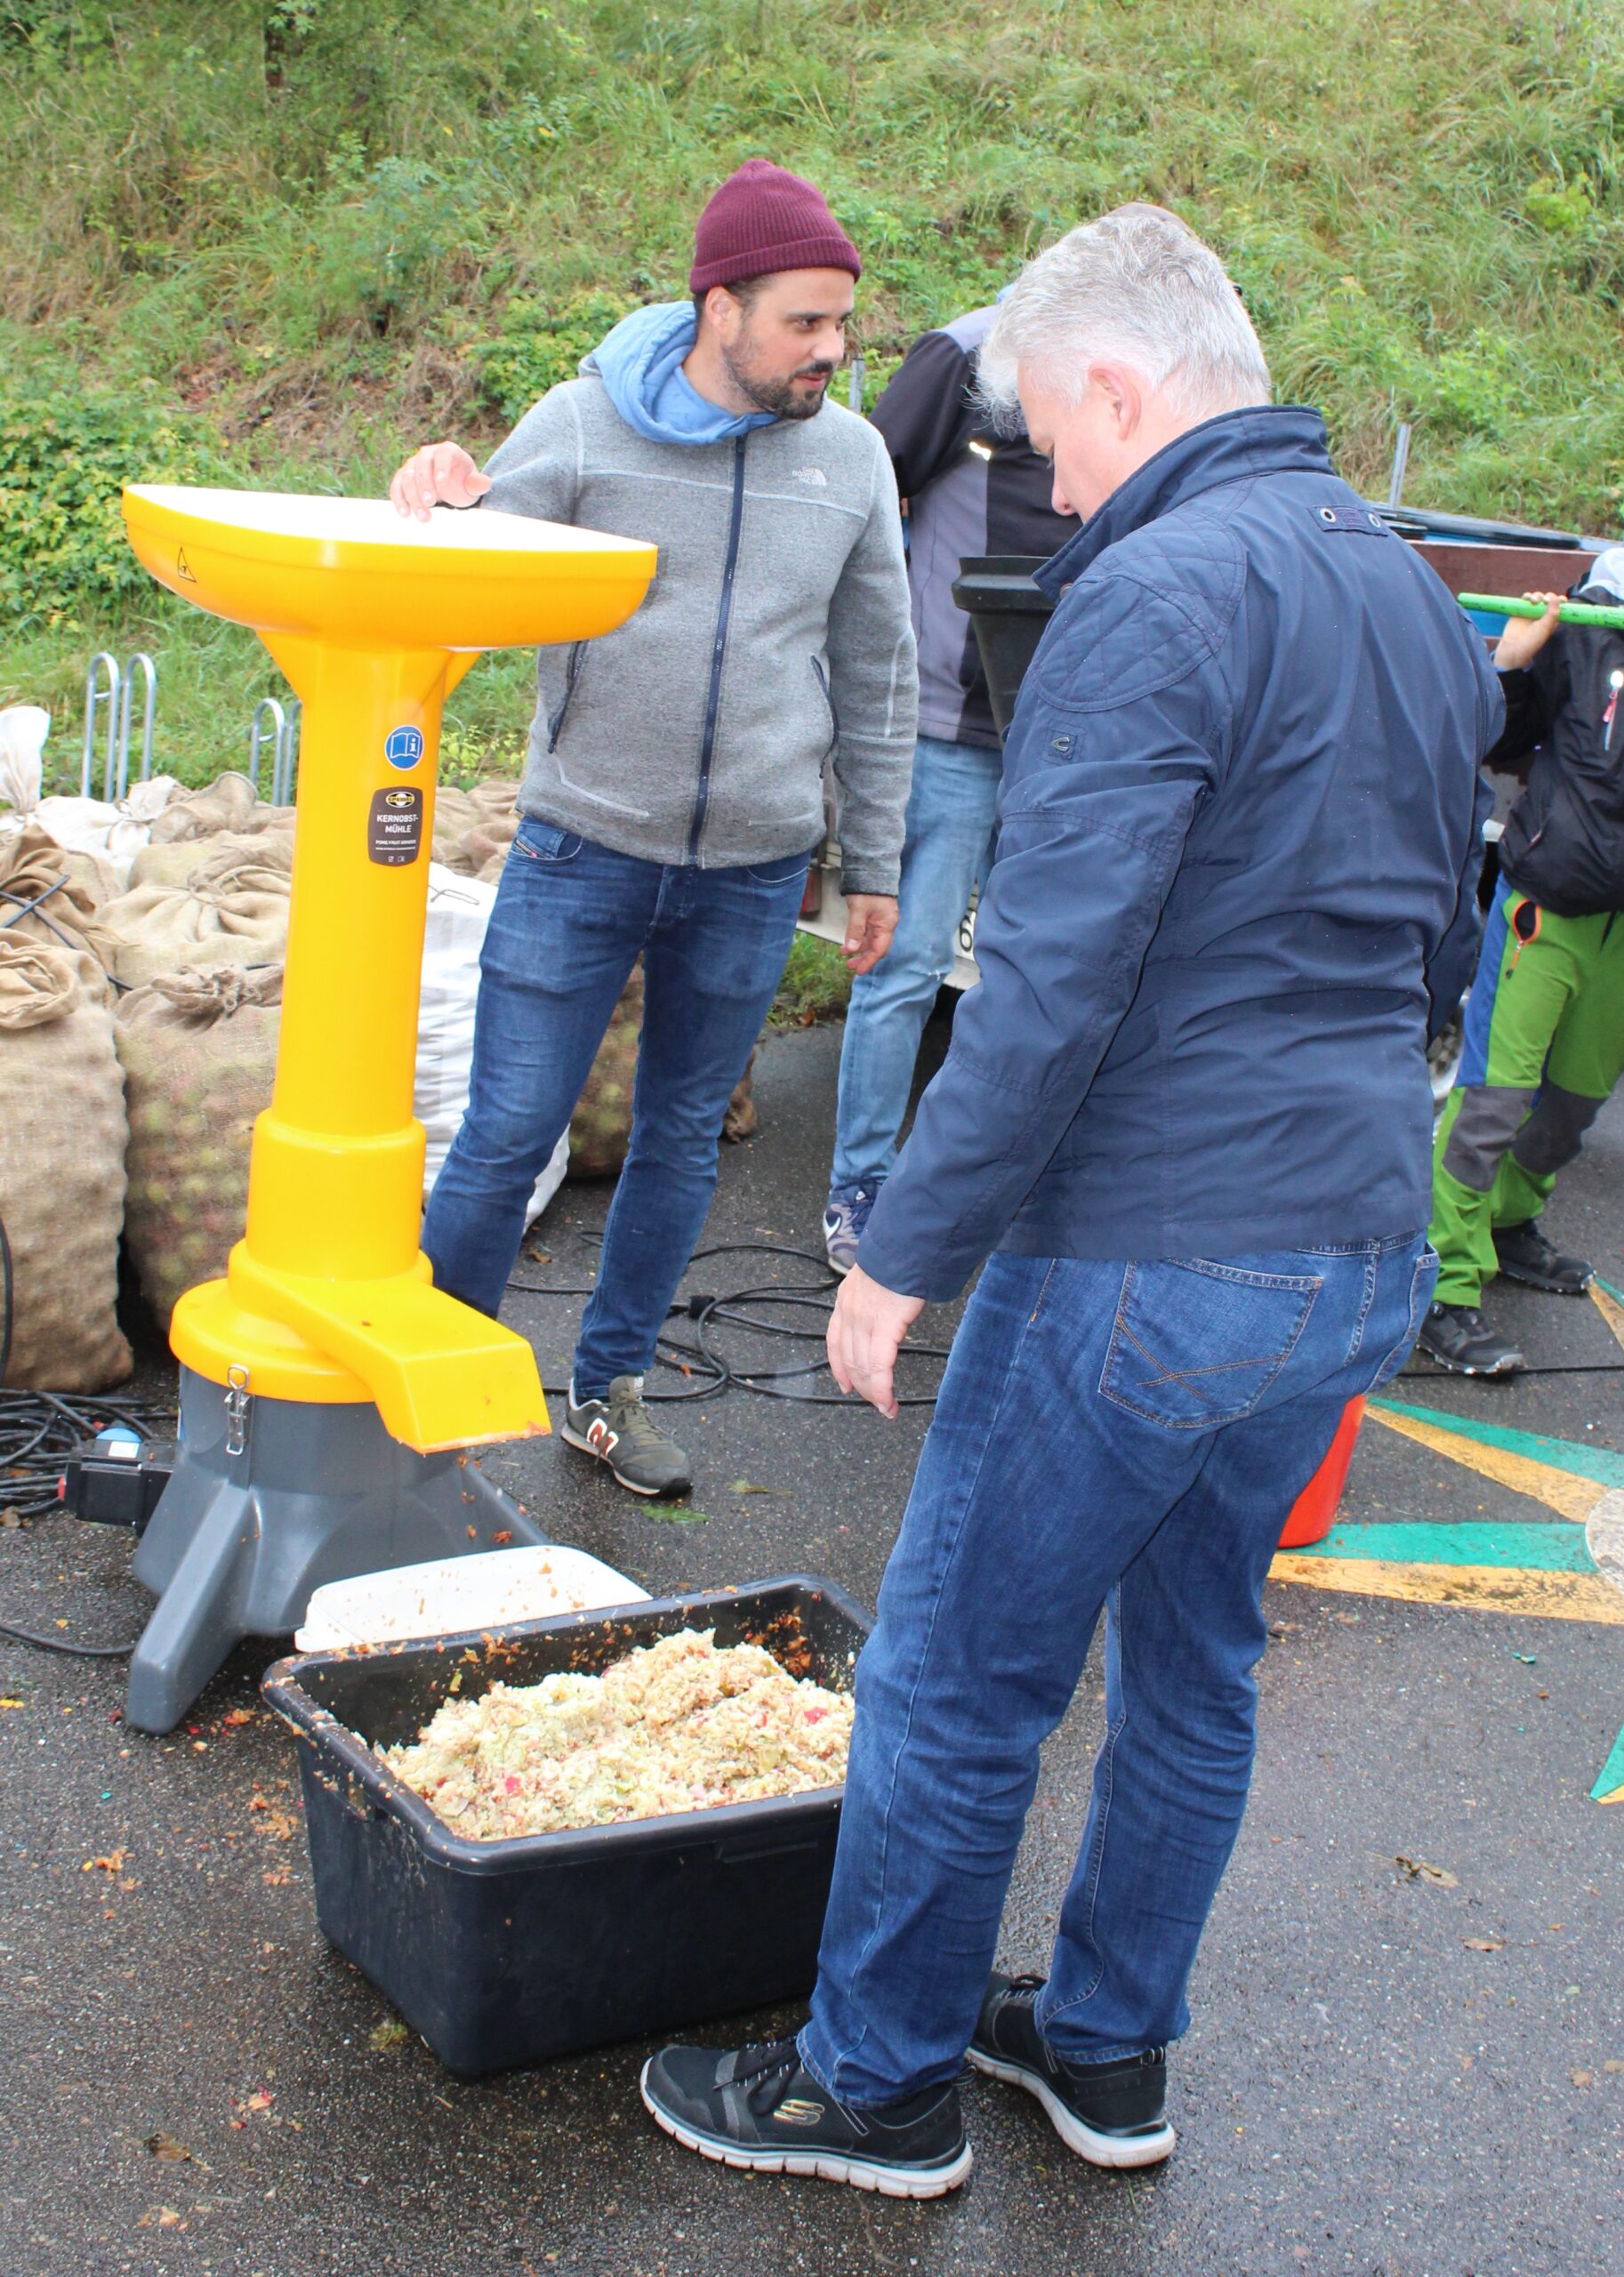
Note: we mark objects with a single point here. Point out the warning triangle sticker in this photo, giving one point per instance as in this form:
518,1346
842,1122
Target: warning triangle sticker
182,567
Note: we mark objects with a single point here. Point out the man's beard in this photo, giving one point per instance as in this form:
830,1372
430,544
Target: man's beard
779,396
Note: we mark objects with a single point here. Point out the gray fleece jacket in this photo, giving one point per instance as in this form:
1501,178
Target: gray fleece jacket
776,635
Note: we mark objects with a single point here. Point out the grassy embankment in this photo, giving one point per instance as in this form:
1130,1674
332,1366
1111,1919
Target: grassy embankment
274,241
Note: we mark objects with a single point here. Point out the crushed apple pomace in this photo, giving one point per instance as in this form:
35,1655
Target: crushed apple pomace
681,1725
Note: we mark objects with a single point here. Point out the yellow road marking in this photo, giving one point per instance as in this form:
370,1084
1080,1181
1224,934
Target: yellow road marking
1612,1311
1479,1588
1559,1490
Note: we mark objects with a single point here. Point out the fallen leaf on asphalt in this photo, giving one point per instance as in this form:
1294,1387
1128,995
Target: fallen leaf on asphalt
748,1486
1484,1944
113,1864
675,1514
1582,2078
503,1537
235,1717
12,1703
276,1880
260,2099
390,2033
11,1517
1613,2064
165,2146
162,2218
1418,1869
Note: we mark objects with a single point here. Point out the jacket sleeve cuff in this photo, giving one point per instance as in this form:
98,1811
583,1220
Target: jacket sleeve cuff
870,877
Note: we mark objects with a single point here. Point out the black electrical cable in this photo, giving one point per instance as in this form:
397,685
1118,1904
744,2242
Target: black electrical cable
716,1374
38,1431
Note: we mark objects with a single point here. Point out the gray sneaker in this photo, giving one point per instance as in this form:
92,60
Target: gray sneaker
845,1221
620,1431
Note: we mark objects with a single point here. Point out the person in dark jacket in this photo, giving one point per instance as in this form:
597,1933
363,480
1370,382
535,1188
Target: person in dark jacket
1543,1042
970,489
1185,1120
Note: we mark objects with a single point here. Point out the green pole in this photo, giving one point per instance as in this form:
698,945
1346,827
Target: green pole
1570,613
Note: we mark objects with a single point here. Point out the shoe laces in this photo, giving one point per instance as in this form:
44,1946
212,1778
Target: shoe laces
761,2068
631,1417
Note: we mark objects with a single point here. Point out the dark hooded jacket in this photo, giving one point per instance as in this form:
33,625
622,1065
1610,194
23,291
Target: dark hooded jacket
1239,840
1564,842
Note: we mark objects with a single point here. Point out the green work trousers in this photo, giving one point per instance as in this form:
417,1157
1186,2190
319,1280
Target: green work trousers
1543,1047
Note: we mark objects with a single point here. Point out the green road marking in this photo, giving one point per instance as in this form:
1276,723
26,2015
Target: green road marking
1609,1787
1545,1545
1598,1463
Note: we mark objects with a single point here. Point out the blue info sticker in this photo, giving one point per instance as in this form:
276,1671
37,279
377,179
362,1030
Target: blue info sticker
404,746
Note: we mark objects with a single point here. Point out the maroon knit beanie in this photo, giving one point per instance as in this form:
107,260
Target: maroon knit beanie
763,220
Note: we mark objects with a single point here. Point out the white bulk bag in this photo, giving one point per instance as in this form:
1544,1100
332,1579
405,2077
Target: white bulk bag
459,911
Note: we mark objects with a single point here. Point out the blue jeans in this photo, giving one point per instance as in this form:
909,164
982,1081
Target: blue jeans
570,922
948,847
1128,1438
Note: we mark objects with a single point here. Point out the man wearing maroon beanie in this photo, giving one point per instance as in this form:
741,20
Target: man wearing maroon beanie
674,794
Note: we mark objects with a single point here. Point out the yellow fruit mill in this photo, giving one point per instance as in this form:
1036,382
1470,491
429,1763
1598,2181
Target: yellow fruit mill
327,1387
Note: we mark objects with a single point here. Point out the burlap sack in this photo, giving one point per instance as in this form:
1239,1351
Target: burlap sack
600,1128
50,895
61,1175
224,804
231,909
472,828
174,864
199,1053
455,812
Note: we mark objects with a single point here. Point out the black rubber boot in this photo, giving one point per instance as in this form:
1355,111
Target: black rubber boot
1525,1255
1459,1339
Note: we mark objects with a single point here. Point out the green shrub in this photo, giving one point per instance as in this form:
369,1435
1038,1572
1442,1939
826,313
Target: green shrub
63,553
542,342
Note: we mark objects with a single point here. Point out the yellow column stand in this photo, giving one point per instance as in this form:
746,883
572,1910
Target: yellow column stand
374,619
326,1384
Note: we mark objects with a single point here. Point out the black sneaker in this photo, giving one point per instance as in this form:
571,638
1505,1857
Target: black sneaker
1459,1339
760,2107
1525,1255
1111,2114
620,1431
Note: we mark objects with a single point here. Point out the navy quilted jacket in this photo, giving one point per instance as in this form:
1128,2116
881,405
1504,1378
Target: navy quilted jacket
1239,836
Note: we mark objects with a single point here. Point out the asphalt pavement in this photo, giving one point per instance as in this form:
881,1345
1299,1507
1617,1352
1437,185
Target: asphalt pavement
1407,2057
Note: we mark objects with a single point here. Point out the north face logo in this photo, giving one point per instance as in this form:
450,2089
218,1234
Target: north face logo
814,475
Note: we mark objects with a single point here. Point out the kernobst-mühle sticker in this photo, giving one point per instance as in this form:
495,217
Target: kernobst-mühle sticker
395,827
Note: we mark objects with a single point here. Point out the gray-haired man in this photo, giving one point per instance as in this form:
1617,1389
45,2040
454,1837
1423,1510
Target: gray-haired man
1188,1109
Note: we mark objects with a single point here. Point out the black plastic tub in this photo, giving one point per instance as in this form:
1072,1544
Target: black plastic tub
501,1953
1009,613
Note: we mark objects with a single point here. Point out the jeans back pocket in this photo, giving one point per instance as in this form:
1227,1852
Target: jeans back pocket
1196,1344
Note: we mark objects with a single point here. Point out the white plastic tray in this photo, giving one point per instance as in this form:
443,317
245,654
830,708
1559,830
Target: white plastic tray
450,1594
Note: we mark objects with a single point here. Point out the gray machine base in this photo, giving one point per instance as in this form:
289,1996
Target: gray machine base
238,1541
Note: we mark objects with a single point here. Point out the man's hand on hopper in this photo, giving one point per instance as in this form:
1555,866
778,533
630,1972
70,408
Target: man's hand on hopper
865,1334
441,474
871,919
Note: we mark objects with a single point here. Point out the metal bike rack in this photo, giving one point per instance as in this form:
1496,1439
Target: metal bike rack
101,663
271,717
118,697
139,662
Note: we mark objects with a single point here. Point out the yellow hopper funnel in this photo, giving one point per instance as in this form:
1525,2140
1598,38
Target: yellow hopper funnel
374,619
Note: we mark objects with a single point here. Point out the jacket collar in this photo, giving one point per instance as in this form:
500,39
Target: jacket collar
1266,438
